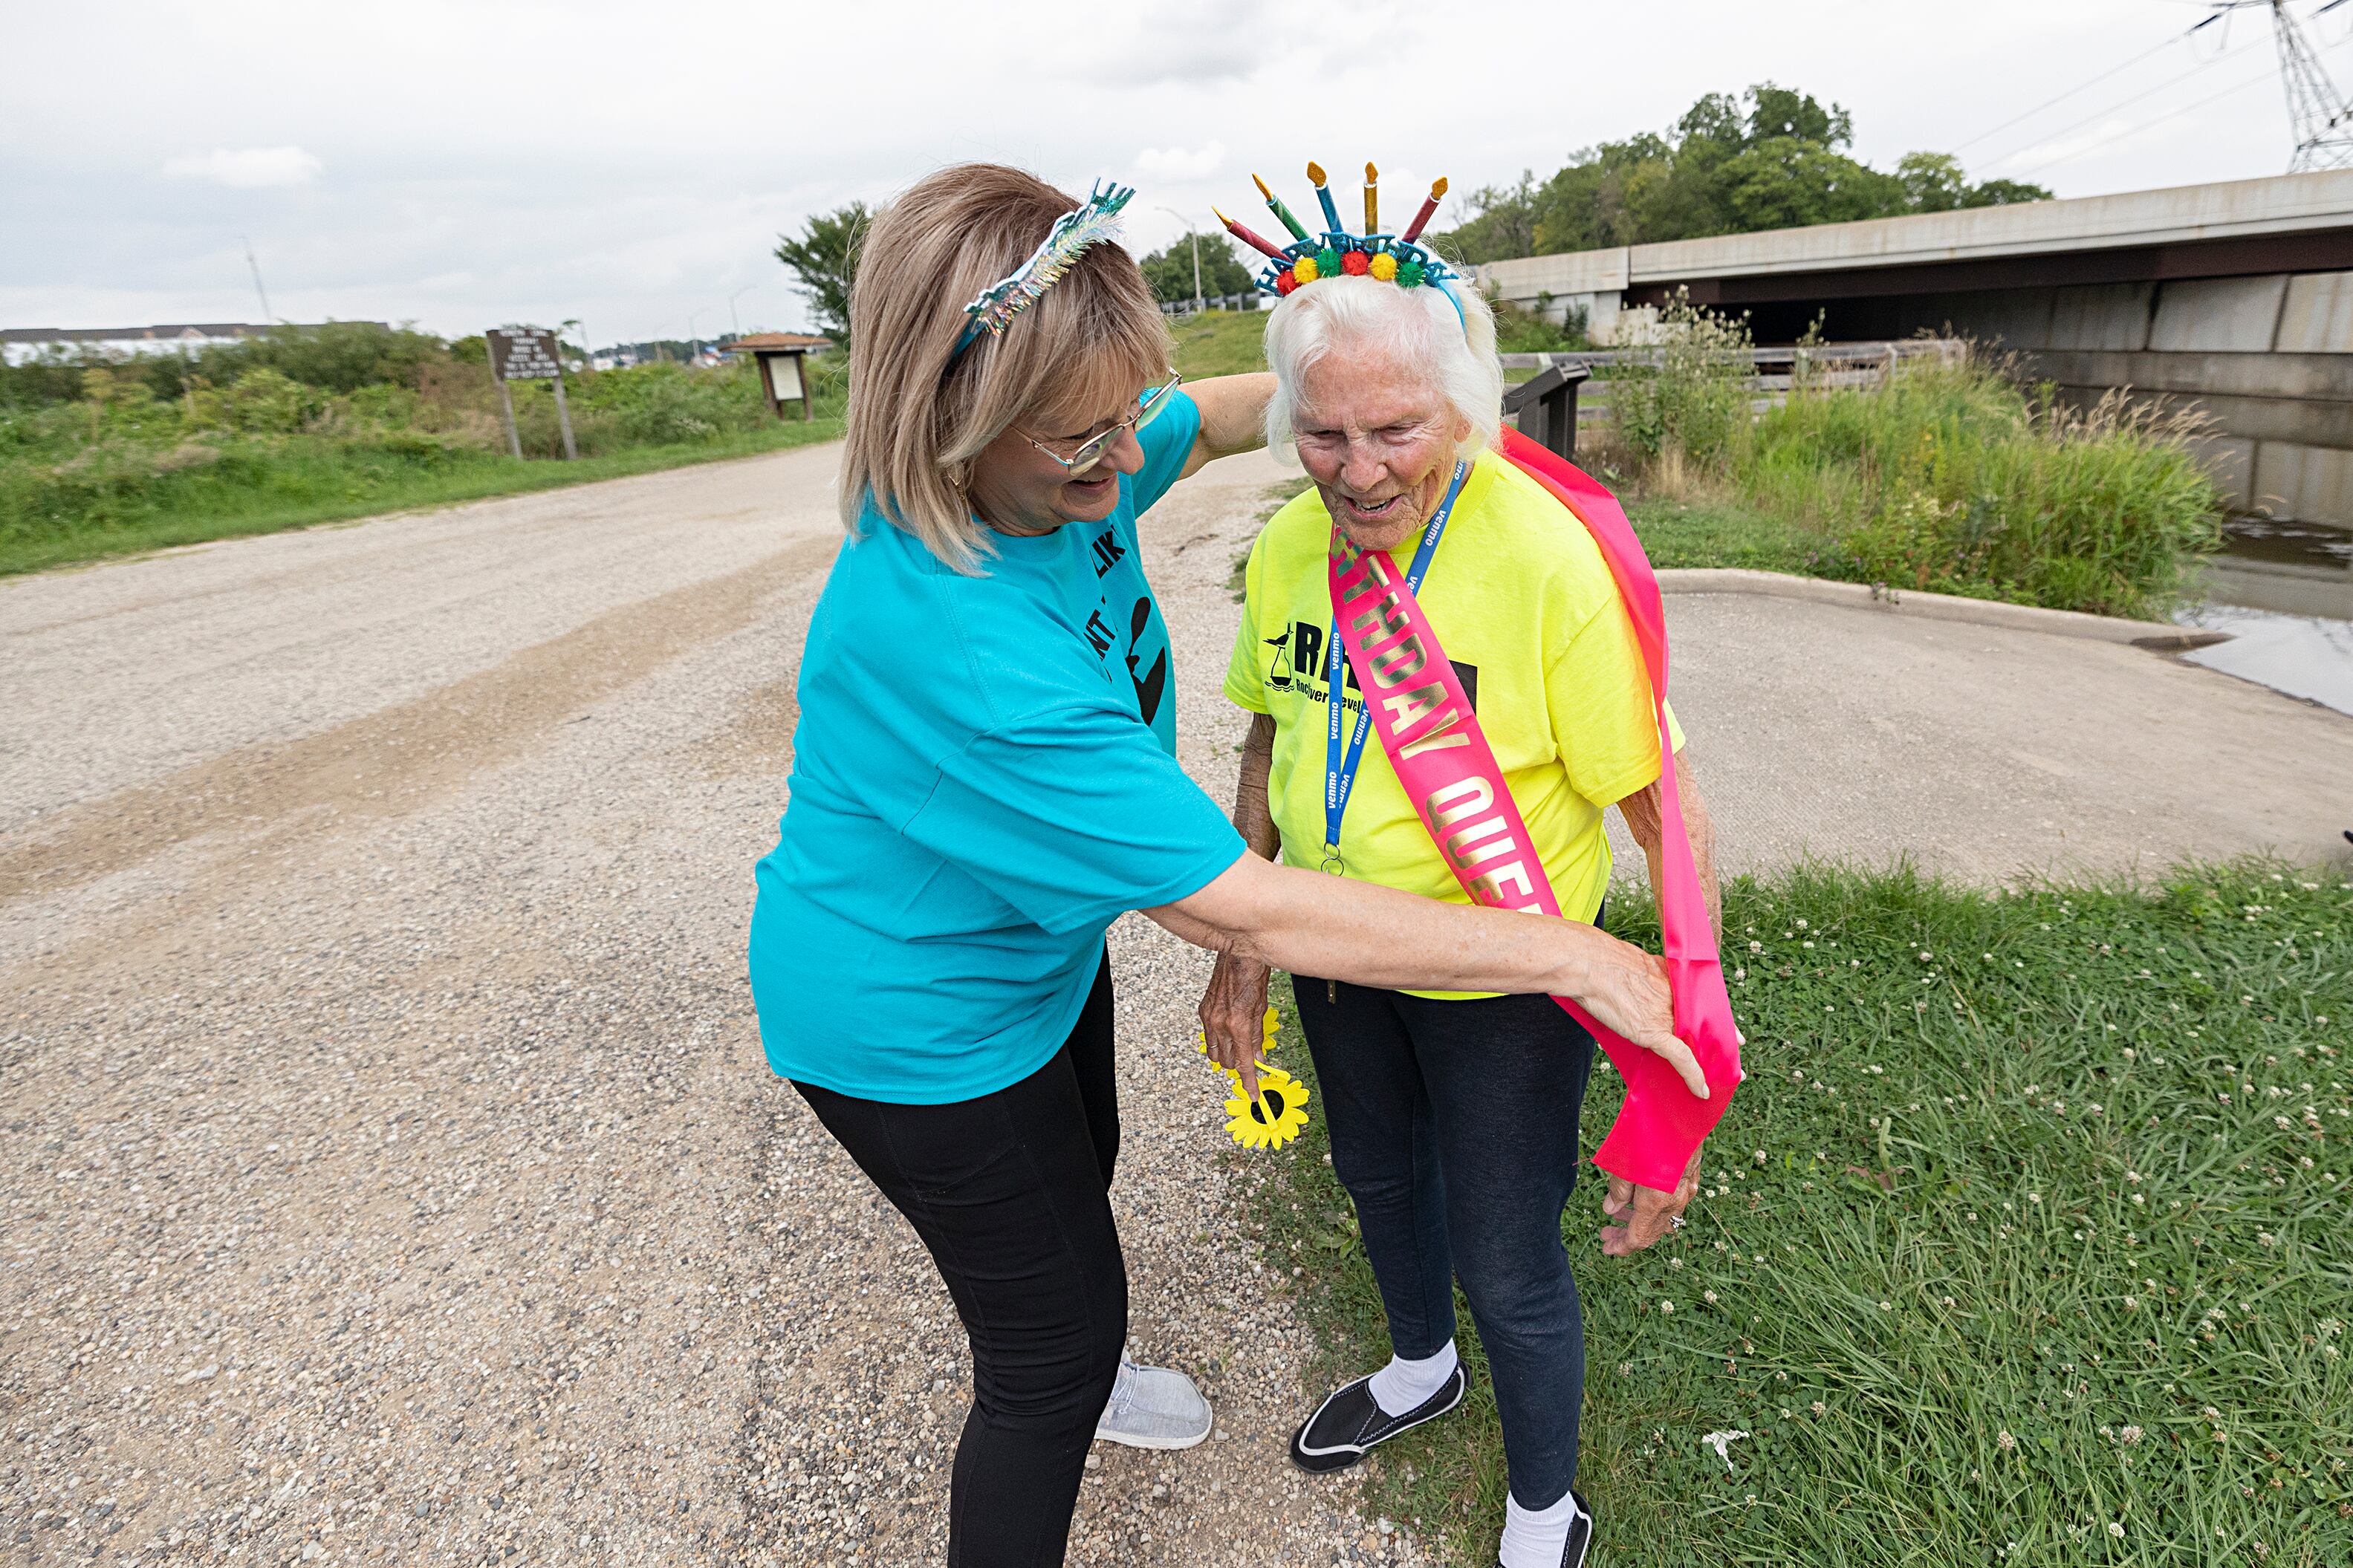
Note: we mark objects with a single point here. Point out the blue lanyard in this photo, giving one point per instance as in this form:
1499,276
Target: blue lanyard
1340,758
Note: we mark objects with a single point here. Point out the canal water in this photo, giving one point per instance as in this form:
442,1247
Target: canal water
2285,593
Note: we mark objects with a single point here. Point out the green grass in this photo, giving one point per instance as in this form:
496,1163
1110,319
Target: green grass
267,487
1730,533
2042,1240
1954,479
1220,342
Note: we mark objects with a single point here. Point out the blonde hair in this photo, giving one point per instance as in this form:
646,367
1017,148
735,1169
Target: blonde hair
917,422
1416,326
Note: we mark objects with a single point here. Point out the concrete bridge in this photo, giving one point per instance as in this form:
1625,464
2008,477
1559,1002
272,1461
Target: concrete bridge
2237,298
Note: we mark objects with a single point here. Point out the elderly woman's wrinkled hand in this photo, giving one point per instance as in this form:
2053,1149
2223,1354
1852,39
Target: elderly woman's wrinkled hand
1628,995
1232,1013
1645,1214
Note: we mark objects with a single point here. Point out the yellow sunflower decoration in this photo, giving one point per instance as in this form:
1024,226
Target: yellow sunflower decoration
1274,1117
1279,1113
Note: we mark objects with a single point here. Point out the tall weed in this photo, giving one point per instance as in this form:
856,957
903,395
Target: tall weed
1691,393
1946,476
1952,479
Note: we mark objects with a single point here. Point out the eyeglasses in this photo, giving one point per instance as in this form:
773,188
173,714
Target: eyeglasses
1091,451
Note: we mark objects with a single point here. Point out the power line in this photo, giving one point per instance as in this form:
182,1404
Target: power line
2264,75
2078,87
2169,82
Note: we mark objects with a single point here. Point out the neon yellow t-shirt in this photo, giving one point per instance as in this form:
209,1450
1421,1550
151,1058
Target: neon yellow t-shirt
1530,619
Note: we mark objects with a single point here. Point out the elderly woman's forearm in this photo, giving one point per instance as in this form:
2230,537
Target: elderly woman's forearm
1644,821
1253,818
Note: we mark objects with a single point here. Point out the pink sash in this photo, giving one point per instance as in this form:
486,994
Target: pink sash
1441,757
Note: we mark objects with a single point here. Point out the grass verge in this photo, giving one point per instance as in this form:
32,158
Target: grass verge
1677,533
316,482
2023,1244
1220,342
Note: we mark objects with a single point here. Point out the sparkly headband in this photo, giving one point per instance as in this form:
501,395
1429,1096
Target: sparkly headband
1335,253
1094,222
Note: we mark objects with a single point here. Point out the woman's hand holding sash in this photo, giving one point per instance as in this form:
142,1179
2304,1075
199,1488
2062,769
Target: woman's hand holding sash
1441,757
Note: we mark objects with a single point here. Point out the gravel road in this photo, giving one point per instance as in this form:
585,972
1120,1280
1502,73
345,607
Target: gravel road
391,1172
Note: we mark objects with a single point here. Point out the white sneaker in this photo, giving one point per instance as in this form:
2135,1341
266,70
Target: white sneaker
1153,1407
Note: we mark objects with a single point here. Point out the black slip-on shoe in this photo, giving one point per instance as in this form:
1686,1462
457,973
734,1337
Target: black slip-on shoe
1350,1421
1580,1536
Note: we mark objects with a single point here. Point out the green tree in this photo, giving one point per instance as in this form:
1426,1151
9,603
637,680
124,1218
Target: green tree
1170,271
825,259
1772,157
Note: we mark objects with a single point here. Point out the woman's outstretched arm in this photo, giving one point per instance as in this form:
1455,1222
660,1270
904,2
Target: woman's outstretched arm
1311,923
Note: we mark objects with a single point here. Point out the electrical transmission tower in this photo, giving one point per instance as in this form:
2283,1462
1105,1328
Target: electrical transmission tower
2321,115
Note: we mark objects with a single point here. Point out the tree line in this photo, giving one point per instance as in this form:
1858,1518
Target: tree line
1771,157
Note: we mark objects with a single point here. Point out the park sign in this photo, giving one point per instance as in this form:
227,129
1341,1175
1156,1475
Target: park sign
529,354
524,353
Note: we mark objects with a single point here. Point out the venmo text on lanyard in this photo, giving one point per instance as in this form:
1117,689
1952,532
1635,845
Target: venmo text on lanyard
1340,757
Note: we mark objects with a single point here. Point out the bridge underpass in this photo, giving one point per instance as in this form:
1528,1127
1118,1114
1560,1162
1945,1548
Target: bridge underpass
2234,298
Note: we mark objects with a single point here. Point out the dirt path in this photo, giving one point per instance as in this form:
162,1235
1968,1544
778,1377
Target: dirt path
391,1171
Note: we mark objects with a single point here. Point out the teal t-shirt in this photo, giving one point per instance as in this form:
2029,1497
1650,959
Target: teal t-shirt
984,778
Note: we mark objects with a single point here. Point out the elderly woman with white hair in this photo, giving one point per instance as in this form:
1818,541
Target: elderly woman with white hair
1453,1110
985,778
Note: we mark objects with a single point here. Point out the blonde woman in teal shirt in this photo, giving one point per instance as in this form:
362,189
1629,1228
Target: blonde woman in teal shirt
985,778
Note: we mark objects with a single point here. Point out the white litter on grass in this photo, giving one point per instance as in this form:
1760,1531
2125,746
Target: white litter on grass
1722,1443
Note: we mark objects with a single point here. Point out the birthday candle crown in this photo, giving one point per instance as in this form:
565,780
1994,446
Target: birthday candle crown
1337,252
1094,222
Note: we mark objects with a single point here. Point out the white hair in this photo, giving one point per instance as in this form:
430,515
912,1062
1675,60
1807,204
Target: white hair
1416,327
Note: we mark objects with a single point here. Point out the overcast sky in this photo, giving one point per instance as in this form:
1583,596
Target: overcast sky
461,165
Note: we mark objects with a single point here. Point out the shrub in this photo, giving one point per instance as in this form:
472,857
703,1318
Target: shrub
1950,477
1691,394
1524,332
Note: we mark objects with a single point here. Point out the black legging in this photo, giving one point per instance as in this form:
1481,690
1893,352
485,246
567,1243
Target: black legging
1011,1193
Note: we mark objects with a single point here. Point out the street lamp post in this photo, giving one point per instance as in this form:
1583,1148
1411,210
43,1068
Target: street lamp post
731,319
1198,303
693,343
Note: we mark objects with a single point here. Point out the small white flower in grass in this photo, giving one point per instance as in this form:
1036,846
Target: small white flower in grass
2267,1238
2129,1433
1760,1156
1756,947
1819,1408
1887,1306
2132,1303
2034,1198
1667,1307
1801,925
2117,1529
1709,1297
2004,1441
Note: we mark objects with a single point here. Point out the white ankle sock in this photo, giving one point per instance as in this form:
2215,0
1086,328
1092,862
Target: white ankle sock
1404,1385
1533,1539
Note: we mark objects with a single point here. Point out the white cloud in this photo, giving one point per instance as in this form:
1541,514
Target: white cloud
1181,164
249,168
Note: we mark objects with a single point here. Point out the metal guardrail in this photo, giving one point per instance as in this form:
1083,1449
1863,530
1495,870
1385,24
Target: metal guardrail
1833,358
1180,308
1821,366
